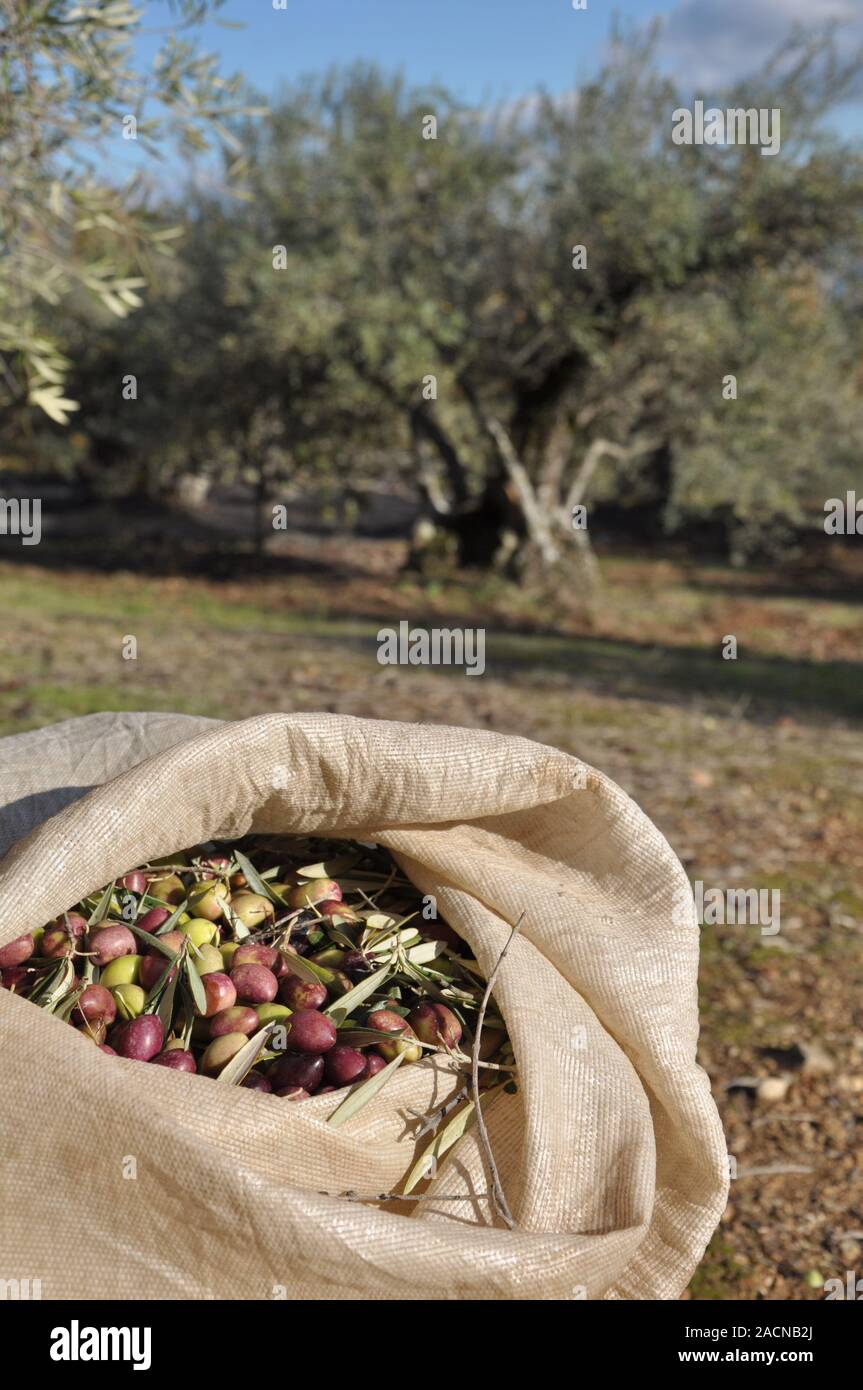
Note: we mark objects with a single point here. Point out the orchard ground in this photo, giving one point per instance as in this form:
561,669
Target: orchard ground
752,768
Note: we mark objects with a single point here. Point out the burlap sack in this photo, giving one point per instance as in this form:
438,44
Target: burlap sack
126,1181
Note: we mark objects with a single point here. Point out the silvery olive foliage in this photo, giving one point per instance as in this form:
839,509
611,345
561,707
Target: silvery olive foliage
73,97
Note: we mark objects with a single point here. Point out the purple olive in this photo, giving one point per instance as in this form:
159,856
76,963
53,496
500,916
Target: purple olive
344,1065
151,969
251,954
315,890
238,1019
255,984
294,1093
140,1039
177,1059
307,1072
220,991
435,1023
302,994
168,888
172,940
255,1082
96,1004
58,940
309,1031
135,882
16,952
388,1021
154,919
374,1063
357,964
13,976
103,1047
111,943
334,907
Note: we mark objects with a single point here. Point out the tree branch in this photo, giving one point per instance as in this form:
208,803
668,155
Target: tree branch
537,522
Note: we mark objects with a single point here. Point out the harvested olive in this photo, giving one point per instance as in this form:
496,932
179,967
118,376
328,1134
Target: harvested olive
251,953
310,1031
154,919
255,1082
255,984
169,889
302,994
17,951
111,943
220,991
130,1000
305,1071
177,1059
435,1023
207,899
344,1065
252,909
388,1022
139,1039
239,1019
220,1052
123,970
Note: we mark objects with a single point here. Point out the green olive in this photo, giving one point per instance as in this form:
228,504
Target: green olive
252,909
220,1052
208,959
206,899
125,970
228,950
268,1013
130,1000
199,931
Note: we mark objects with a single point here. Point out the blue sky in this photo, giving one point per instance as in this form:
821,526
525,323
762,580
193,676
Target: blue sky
487,50
502,48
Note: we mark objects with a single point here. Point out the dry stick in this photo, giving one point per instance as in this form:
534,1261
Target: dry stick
400,1197
429,1124
498,1199
769,1170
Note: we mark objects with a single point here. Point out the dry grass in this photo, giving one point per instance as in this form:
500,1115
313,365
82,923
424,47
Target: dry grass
753,769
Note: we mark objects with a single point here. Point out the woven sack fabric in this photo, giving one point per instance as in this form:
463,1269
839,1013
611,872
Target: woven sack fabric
125,1181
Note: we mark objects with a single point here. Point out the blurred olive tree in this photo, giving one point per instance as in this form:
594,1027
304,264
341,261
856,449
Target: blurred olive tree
522,310
71,92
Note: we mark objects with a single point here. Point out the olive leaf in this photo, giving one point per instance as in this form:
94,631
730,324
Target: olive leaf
104,903
165,1008
151,940
428,951
64,1010
340,1008
361,1037
195,985
53,989
256,883
245,1059
239,930
307,970
366,1090
441,1144
170,922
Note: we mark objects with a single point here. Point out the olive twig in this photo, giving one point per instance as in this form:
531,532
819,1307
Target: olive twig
498,1199
400,1196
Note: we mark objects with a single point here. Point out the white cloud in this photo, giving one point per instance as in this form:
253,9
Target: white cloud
709,43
